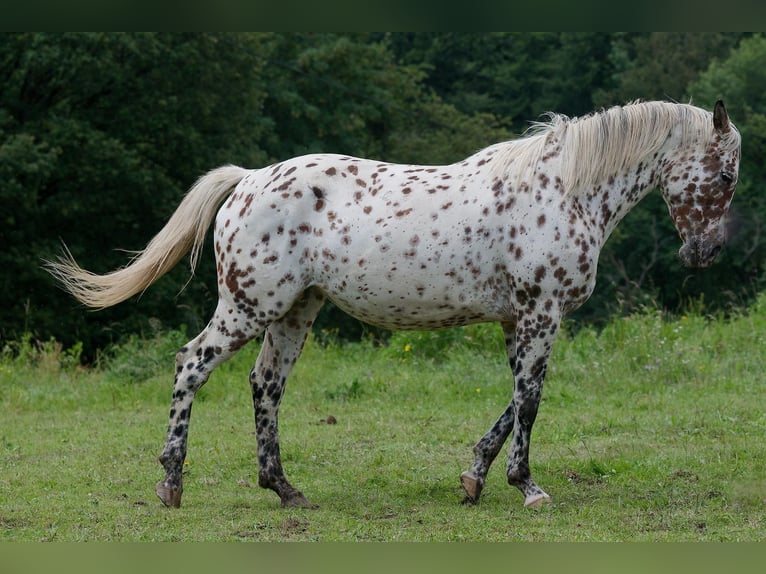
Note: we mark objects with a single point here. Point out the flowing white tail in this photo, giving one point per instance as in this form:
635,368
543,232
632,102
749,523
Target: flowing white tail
184,231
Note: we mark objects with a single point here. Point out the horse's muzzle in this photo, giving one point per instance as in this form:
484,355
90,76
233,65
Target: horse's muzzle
700,252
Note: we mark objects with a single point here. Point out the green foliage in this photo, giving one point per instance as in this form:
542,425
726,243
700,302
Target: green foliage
113,128
137,359
660,65
514,76
345,391
48,357
101,134
486,340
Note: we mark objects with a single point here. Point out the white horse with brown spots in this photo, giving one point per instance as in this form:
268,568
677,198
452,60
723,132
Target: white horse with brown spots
511,234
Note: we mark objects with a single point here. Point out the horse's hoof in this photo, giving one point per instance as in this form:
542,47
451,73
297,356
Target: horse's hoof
297,500
535,500
169,495
472,486
293,498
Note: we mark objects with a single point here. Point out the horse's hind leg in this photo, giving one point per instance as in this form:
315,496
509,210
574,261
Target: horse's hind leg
282,345
223,336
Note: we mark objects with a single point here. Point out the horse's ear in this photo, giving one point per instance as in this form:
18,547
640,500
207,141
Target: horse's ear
720,117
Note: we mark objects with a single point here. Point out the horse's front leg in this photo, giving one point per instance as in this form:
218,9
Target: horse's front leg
485,451
535,335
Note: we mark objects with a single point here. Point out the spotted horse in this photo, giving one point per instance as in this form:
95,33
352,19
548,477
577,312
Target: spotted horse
511,234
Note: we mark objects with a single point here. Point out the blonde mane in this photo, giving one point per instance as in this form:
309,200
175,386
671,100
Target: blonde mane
604,143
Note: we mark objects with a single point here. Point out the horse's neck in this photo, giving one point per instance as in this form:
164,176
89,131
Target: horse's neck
611,200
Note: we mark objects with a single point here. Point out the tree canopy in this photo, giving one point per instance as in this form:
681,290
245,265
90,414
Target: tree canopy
102,133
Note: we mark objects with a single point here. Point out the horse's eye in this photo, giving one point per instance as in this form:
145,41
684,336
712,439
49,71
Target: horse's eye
727,177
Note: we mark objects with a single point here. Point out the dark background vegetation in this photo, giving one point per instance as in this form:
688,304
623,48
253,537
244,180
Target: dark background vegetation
101,134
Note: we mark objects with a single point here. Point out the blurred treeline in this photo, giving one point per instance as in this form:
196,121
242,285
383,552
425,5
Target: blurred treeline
101,134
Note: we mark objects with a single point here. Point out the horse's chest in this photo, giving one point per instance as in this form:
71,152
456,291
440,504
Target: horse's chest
552,260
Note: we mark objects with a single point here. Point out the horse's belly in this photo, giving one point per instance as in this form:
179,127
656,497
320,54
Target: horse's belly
410,314
408,298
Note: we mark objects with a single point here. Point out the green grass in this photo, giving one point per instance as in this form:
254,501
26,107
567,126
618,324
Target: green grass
649,430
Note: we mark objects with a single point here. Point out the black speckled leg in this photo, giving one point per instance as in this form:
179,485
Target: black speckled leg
194,363
281,347
486,450
535,335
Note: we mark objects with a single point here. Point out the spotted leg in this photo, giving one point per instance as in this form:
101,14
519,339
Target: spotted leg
194,363
535,335
485,451
281,347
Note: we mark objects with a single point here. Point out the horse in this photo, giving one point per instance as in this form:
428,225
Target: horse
511,234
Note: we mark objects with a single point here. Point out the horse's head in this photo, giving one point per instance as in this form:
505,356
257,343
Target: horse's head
698,182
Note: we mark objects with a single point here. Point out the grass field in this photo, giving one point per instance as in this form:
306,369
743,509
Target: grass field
651,429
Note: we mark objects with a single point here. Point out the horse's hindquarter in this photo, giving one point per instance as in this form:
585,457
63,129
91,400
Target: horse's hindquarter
394,245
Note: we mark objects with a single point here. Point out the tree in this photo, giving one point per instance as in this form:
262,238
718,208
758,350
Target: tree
515,76
101,135
659,65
